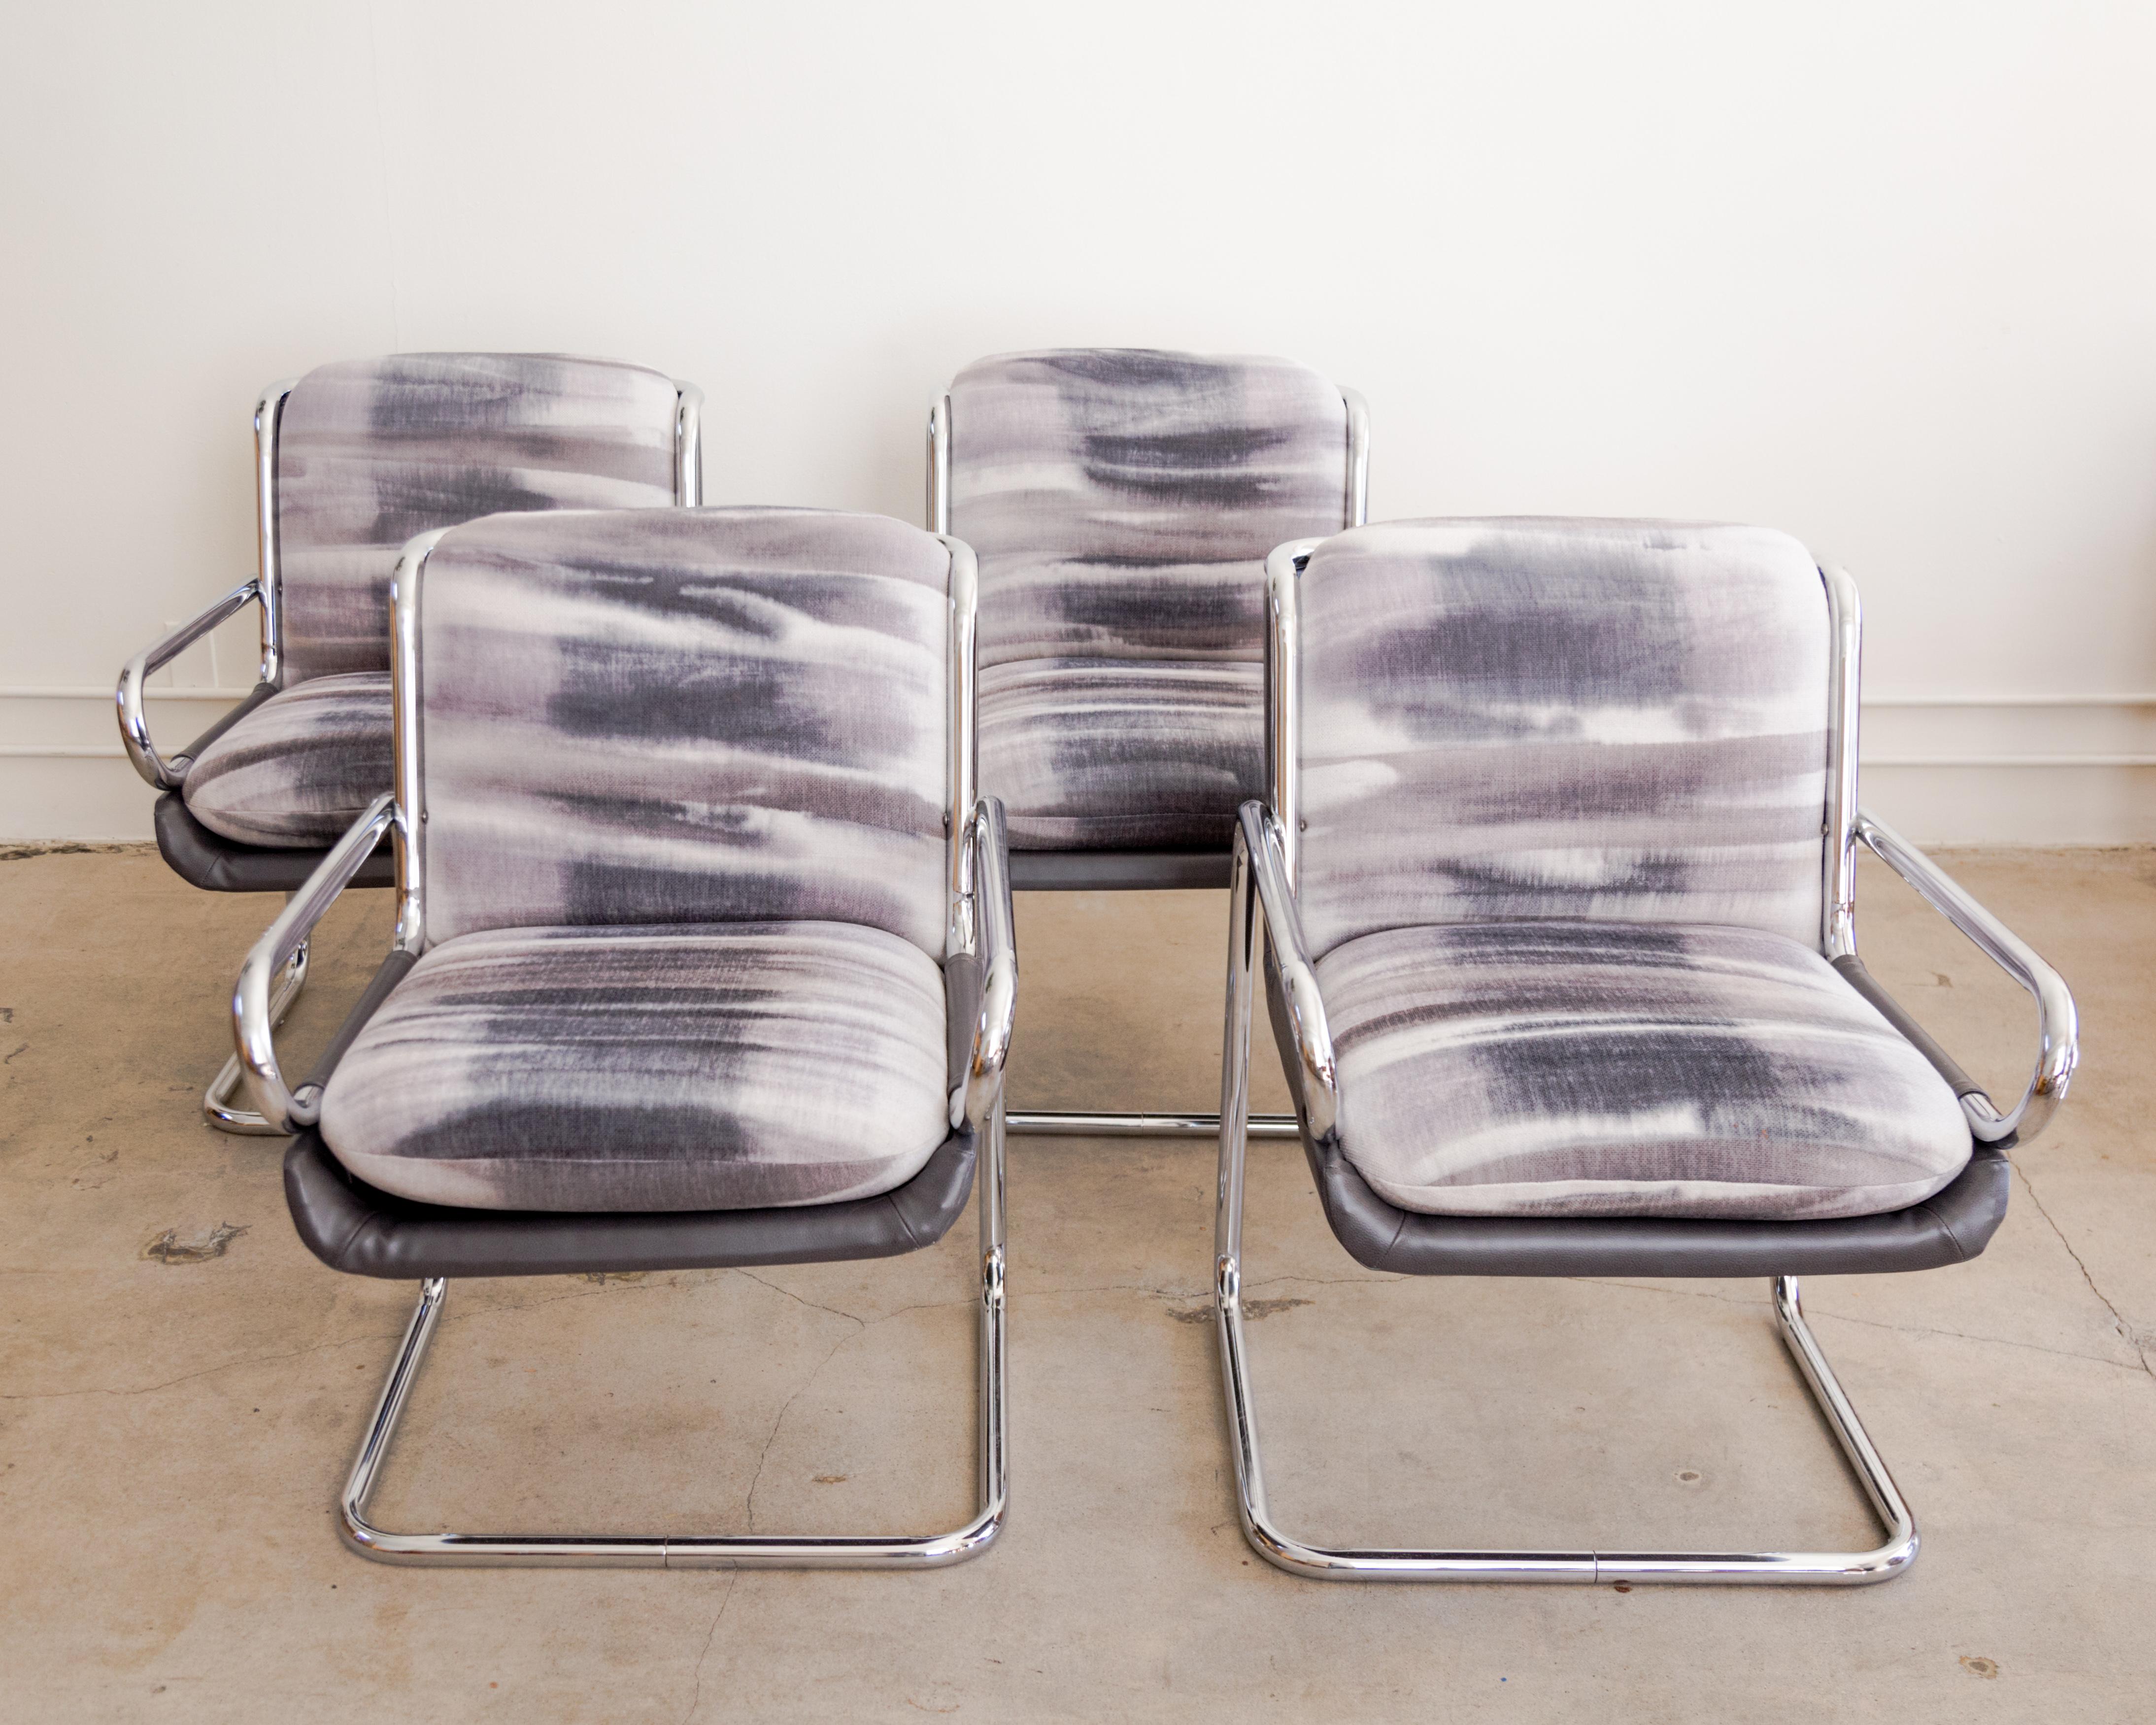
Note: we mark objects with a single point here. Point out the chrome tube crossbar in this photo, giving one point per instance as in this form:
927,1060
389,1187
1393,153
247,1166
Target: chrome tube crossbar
715,1551
1055,1123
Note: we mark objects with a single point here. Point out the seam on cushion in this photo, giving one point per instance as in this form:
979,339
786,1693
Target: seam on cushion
1629,1189
890,1202
1385,1257
373,1227
367,1220
1962,1252
1945,1227
345,1245
1589,923
1339,1152
395,1163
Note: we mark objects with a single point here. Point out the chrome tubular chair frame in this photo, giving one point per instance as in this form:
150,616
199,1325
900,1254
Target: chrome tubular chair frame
1269,910
1080,1123
980,928
715,1551
264,589
1263,907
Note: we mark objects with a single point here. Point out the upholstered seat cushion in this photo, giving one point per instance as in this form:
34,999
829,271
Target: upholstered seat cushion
686,1067
302,767
1093,753
1566,1068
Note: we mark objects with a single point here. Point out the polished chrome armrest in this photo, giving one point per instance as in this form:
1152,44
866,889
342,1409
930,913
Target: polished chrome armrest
134,723
2058,1032
1260,836
988,883
251,1027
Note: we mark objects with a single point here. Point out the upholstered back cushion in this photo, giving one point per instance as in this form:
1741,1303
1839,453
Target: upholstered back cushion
683,716
1562,718
370,451
1122,502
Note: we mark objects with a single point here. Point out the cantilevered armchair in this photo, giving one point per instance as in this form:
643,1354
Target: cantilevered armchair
351,461
703,953
1122,503
1555,874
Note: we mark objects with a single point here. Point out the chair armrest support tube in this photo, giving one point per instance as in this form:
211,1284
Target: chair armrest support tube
1306,1006
989,846
2058,1031
1944,1064
224,721
134,723
251,1028
392,972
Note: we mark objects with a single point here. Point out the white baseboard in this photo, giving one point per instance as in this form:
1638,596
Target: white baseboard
2025,770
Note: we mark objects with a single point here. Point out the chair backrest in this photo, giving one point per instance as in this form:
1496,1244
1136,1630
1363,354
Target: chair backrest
1122,502
682,715
370,452
1552,718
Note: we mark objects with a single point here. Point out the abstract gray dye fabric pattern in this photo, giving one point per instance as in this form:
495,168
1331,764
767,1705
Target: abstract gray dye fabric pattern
1138,752
1122,503
648,1069
685,715
300,769
370,452
1566,1068
1512,718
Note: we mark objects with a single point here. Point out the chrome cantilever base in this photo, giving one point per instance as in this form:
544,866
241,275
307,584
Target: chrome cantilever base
706,1550
1049,1123
218,1107
1262,909
1770,1568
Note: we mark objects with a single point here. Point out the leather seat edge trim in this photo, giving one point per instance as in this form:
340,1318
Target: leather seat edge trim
1852,972
1926,1235
213,863
396,1239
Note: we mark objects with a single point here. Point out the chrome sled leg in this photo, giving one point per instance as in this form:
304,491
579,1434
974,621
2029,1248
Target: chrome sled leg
218,1107
1814,1568
1385,1563
712,1551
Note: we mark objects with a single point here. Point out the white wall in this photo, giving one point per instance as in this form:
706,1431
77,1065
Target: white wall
1882,274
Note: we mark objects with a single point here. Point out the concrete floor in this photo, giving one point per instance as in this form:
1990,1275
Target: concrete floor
181,1387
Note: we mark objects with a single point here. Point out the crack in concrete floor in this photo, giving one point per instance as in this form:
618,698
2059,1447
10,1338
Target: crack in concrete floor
726,1598
2127,1333
1816,1318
